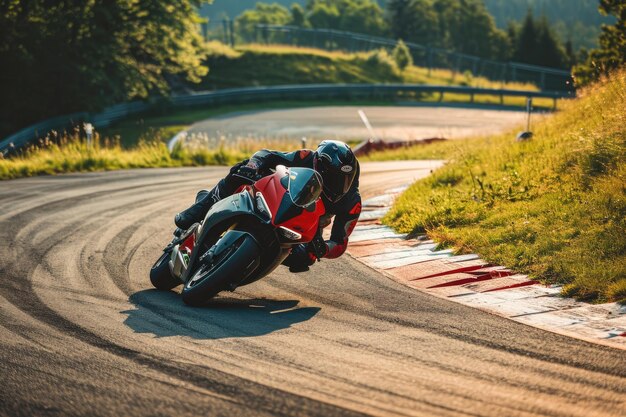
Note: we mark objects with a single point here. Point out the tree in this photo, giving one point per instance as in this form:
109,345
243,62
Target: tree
76,55
362,16
467,27
537,44
323,15
263,13
612,51
298,18
414,21
402,55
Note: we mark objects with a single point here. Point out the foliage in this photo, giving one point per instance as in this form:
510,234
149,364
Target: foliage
467,27
553,207
536,43
462,25
402,55
414,21
298,16
362,16
63,57
612,51
263,13
575,20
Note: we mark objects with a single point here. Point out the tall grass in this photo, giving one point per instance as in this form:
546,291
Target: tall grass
69,152
553,207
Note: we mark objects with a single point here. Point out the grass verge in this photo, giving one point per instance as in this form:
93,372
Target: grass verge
69,153
553,207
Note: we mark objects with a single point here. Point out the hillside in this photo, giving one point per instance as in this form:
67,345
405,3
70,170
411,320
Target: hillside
553,207
254,65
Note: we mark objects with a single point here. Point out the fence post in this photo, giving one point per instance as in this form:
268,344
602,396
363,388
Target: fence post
204,26
231,26
225,27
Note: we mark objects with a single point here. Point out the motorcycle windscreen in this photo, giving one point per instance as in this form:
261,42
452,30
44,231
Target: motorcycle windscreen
305,186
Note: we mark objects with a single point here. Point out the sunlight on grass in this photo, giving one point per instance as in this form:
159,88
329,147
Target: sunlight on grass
553,207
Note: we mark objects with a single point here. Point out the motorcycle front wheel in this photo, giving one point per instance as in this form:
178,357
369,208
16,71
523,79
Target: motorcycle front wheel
160,274
221,272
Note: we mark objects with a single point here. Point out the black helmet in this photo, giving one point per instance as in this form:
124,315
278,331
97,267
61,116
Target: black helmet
338,166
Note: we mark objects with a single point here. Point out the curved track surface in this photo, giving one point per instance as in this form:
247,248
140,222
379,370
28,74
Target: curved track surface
82,332
343,122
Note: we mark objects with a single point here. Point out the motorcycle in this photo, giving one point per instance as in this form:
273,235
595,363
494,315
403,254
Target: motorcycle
243,237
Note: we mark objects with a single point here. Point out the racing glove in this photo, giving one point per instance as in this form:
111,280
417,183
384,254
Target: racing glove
248,173
299,259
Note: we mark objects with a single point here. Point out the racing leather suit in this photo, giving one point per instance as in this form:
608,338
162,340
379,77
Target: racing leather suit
345,211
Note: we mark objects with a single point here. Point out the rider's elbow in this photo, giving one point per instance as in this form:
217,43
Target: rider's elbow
335,250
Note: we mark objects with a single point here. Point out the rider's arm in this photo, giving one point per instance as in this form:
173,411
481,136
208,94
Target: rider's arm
266,159
343,225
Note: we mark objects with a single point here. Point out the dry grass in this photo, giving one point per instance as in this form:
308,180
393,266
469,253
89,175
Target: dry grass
68,152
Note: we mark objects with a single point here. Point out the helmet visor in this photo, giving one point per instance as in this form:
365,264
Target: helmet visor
337,183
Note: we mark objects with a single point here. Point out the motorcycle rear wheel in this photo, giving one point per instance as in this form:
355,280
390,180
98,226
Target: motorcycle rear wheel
160,275
211,278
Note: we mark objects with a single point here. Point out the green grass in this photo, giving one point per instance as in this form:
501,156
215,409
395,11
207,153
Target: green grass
255,65
553,207
70,153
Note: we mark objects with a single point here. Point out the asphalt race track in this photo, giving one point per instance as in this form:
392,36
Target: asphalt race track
343,122
83,333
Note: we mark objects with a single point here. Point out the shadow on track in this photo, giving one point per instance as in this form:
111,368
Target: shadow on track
163,314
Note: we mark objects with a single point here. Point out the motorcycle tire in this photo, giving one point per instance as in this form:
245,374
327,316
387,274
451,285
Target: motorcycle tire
160,275
208,280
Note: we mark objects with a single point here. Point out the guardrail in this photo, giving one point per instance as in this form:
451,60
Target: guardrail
260,94
423,55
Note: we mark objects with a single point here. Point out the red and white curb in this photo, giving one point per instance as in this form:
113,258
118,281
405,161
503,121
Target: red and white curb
466,279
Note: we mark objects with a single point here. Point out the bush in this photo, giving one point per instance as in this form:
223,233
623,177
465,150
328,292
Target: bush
402,55
381,61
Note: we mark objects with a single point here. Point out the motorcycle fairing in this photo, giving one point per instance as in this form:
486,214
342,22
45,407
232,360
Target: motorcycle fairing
304,221
236,205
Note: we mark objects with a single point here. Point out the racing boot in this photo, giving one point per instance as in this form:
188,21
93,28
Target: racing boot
195,214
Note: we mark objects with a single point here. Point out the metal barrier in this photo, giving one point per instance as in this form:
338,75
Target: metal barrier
351,91
260,94
100,120
425,56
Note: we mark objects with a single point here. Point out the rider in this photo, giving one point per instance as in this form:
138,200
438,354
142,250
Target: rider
339,170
